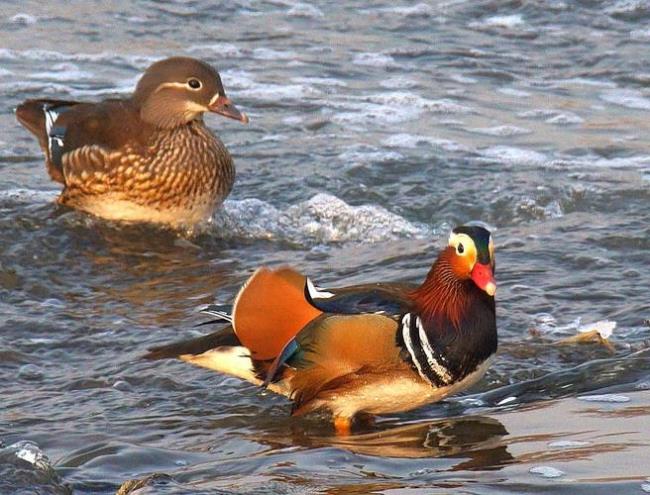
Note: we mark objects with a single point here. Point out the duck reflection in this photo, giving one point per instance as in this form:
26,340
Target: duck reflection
478,442
136,271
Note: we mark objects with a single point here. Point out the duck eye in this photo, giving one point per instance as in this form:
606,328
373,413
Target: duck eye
194,83
460,249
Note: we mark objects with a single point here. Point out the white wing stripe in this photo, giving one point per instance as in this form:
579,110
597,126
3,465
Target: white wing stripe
406,335
435,365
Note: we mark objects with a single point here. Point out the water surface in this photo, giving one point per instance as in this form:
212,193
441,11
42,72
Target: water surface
375,127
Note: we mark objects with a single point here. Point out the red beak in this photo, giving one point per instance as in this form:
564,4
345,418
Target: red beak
484,278
223,106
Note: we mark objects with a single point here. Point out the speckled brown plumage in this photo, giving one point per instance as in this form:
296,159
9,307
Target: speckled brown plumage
147,158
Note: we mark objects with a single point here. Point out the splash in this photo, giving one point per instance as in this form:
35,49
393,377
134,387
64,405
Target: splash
323,219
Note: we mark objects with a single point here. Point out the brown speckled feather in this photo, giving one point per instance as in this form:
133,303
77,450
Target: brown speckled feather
144,158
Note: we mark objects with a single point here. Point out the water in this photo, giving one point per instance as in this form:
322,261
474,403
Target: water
374,128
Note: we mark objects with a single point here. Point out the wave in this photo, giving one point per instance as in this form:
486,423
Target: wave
322,219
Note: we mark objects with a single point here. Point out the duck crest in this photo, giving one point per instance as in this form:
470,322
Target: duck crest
451,329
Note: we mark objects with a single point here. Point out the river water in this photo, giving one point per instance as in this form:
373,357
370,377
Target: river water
375,127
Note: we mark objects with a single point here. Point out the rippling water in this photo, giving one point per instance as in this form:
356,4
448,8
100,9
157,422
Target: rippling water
374,128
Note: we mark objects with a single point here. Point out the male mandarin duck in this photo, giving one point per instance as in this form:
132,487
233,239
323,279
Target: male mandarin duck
371,349
146,158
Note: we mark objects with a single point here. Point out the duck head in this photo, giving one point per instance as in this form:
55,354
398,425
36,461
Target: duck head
177,90
471,256
463,273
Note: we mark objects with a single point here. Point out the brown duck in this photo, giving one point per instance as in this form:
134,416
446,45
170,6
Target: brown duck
147,158
373,349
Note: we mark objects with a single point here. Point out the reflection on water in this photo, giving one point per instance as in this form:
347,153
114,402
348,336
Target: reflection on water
475,440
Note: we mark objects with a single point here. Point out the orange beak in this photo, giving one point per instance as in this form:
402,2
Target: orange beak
223,106
484,278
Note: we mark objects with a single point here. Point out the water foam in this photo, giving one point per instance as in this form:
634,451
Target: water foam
628,98
305,10
135,61
514,156
323,219
404,140
500,130
499,21
417,10
374,60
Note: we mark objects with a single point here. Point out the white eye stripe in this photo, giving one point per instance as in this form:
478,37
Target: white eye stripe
171,85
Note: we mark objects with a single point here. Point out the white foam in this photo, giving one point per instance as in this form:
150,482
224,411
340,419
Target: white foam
514,156
547,323
629,98
374,60
390,108
305,10
226,50
324,81
538,113
398,82
500,21
322,219
236,78
293,120
583,81
403,140
365,114
413,100
463,79
64,71
31,453
513,92
275,92
640,34
632,162
24,19
567,118
537,210
547,471
136,61
627,7
417,10
368,154
500,130
27,196
271,54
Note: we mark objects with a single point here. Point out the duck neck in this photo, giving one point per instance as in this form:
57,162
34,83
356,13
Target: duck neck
458,323
443,297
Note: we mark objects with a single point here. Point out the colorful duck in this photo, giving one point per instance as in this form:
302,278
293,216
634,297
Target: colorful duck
371,349
146,158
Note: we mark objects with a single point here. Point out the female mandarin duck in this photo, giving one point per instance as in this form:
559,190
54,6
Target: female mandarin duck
373,349
147,158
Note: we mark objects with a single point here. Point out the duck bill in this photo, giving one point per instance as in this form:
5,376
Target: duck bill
223,106
484,278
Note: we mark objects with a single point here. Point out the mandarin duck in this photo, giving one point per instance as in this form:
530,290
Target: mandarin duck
369,349
146,158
